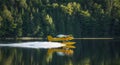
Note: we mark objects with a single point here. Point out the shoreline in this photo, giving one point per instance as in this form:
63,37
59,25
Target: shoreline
22,38
37,38
95,38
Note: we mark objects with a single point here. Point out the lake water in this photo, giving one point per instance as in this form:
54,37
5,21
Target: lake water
87,52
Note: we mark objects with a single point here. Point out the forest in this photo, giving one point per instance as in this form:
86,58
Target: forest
39,18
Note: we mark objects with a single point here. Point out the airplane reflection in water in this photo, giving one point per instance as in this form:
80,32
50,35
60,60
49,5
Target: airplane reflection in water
60,52
65,50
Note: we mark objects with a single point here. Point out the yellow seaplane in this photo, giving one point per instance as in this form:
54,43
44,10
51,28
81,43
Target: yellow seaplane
60,38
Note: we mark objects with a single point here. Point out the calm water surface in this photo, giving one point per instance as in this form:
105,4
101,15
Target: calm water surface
87,52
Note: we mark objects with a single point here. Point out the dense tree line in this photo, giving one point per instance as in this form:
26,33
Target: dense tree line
81,18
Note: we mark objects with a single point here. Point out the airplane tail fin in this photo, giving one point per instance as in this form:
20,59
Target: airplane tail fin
49,37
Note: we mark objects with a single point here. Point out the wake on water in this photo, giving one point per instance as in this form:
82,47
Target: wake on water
35,45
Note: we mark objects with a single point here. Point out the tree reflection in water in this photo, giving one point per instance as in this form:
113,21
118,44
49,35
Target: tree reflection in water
87,52
10,54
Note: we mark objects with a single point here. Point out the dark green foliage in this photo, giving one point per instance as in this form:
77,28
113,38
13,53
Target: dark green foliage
82,18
